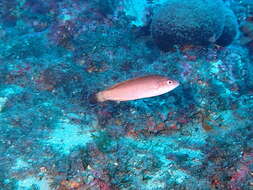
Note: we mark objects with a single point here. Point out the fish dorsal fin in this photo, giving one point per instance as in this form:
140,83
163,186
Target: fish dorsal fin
116,85
128,81
121,83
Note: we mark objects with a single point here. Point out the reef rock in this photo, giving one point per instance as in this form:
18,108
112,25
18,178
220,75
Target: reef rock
230,30
188,22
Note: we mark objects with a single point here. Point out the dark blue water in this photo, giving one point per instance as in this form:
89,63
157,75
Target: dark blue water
56,55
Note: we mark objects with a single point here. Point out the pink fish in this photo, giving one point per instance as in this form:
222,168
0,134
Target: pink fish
137,88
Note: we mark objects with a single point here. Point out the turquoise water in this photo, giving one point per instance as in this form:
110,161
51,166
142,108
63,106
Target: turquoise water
55,55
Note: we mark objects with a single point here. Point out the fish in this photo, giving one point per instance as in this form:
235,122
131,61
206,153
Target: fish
137,88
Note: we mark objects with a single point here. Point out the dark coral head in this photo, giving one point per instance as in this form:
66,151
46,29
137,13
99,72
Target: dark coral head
175,23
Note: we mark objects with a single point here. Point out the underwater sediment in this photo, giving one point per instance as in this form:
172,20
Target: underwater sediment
55,55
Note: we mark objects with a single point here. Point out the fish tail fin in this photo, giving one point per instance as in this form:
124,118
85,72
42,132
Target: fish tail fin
100,97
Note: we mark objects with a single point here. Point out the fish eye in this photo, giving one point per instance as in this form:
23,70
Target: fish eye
169,82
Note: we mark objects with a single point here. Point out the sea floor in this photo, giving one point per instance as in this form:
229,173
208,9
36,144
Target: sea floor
53,59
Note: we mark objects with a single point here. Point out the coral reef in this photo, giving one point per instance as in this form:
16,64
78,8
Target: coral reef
230,30
187,22
247,33
54,55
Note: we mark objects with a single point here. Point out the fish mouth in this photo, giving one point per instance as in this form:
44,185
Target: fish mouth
177,83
